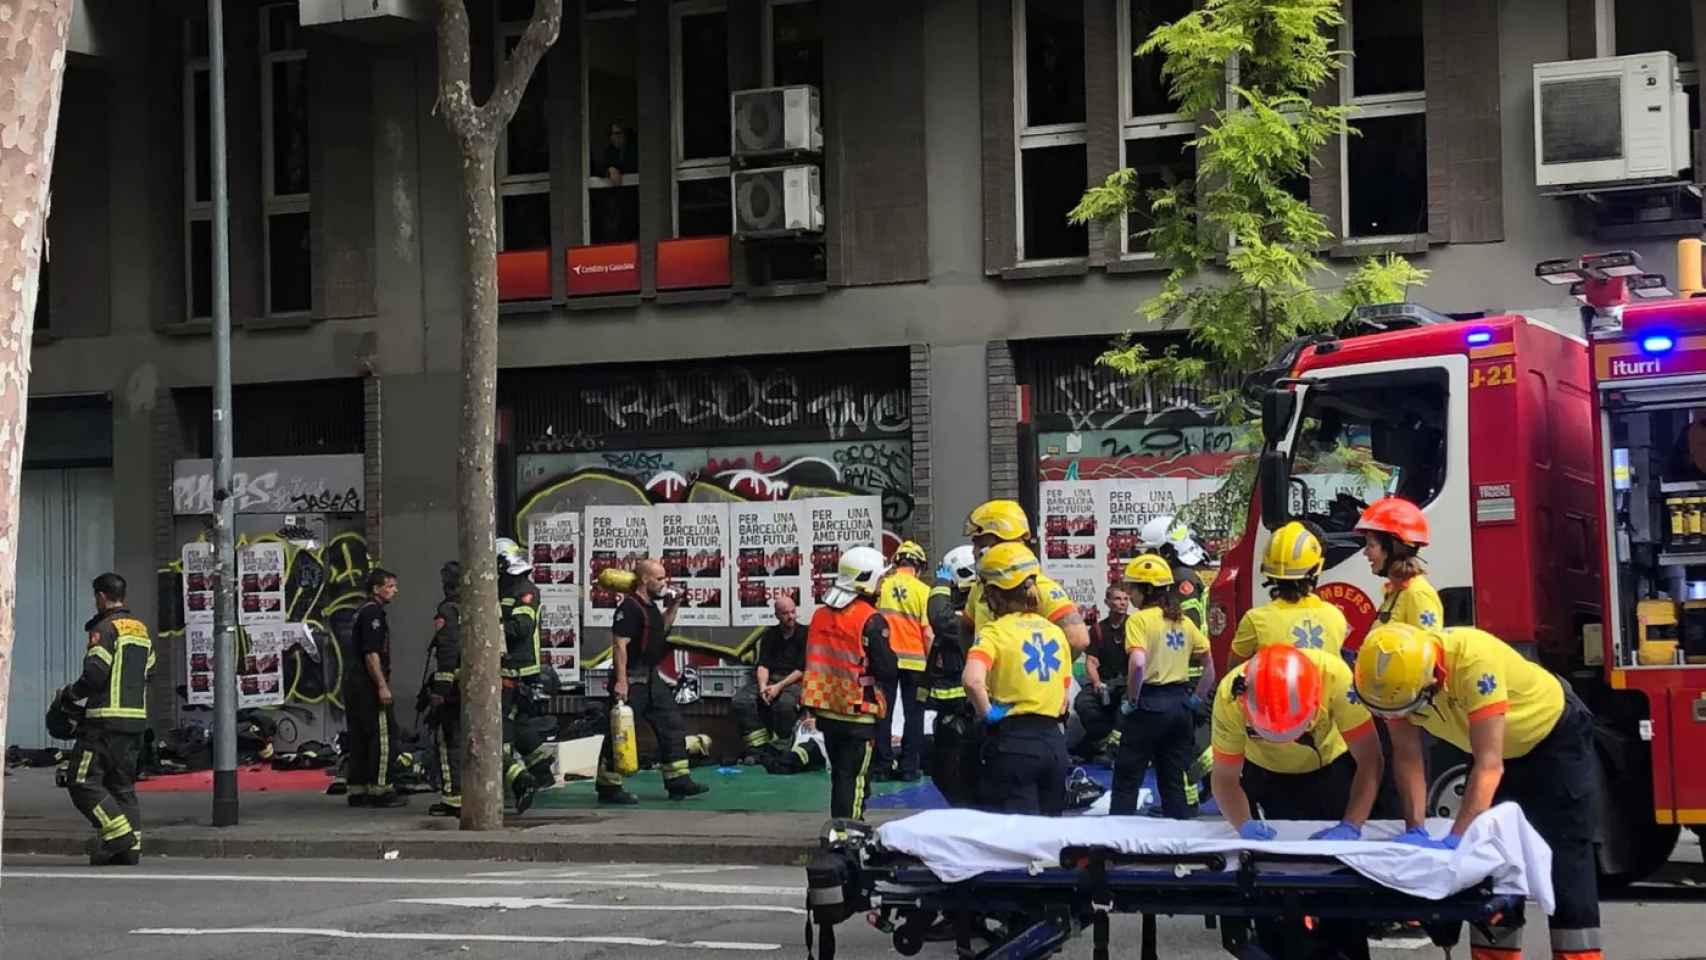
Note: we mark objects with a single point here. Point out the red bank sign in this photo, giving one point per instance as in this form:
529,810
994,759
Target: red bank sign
693,262
604,268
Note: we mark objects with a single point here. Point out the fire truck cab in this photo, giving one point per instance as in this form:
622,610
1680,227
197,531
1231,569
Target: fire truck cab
1491,426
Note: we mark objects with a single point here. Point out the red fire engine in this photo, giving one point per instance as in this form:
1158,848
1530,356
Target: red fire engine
1564,480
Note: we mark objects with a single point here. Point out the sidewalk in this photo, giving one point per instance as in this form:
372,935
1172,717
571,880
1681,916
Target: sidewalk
40,819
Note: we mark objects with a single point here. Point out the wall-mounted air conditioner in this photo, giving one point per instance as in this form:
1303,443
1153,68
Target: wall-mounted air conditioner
369,19
775,201
1609,120
774,120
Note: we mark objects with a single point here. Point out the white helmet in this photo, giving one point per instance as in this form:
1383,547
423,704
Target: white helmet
860,571
1165,531
960,566
512,559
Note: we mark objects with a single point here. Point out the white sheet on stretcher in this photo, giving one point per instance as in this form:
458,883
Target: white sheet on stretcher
958,845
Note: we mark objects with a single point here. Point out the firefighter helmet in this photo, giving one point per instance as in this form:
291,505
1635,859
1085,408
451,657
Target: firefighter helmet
1008,565
1002,519
1293,554
1281,693
912,554
1398,517
1167,531
960,566
1149,569
1397,669
859,573
512,559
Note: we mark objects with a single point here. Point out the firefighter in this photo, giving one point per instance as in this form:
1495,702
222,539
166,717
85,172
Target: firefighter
368,700
1530,740
1097,705
1160,704
639,643
767,709
1016,678
905,601
1292,742
848,661
1004,521
1394,531
444,699
527,761
100,772
1296,617
1172,540
953,761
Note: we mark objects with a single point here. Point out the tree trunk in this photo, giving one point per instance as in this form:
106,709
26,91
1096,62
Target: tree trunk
32,71
482,636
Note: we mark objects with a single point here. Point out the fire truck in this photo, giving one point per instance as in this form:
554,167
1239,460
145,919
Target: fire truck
1563,475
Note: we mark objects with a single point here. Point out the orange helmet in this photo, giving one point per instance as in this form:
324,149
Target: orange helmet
1281,693
1398,517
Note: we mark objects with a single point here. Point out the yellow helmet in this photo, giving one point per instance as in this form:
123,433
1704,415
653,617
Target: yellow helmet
1149,569
1293,553
1397,669
1004,519
910,552
1008,565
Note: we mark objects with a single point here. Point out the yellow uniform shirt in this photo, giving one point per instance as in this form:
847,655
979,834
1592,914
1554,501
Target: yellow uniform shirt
1417,604
1485,677
1029,664
1309,624
1341,720
1169,645
1052,603
905,599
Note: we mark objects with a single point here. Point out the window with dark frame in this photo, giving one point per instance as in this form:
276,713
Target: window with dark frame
524,153
699,50
1385,161
1154,135
1053,156
198,172
610,85
796,43
1159,163
285,165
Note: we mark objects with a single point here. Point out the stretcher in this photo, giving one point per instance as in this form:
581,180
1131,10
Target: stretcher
1022,914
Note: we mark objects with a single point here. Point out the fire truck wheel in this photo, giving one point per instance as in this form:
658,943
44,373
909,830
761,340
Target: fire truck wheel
1445,792
1632,847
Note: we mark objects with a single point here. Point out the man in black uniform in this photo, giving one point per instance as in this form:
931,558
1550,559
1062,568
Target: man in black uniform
367,699
767,708
953,760
639,642
1098,703
525,750
444,695
101,770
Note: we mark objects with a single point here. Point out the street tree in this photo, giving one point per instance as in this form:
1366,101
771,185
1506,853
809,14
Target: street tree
32,73
1242,251
476,129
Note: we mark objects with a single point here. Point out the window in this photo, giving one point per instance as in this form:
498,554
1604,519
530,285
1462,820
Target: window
699,48
1362,437
284,161
1644,26
1154,136
1053,156
524,153
610,59
1386,168
198,172
793,36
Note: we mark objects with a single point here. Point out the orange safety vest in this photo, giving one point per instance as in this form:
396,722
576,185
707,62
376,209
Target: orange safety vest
904,601
836,680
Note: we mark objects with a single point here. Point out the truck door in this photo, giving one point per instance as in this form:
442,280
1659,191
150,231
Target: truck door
1364,431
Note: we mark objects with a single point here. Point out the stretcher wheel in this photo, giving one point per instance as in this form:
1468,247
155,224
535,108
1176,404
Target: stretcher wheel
908,943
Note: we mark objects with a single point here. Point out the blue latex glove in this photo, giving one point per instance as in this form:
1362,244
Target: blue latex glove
1256,830
1194,704
997,712
1418,837
1128,706
945,572
1340,831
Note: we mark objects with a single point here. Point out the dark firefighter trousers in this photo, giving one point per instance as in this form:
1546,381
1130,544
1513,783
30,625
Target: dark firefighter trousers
848,746
101,778
1025,766
1320,795
903,689
372,739
653,702
1162,731
447,720
525,749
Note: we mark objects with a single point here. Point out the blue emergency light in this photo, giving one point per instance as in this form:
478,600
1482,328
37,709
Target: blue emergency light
1657,343
1478,337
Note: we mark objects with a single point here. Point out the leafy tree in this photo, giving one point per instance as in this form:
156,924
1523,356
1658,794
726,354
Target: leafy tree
1242,251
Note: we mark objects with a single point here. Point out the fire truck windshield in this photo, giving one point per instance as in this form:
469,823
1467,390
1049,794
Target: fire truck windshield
1362,437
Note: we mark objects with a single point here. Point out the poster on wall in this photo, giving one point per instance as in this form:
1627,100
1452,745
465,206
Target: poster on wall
768,552
837,524
260,584
555,540
559,629
201,570
615,537
260,671
1076,538
693,543
198,661
1132,503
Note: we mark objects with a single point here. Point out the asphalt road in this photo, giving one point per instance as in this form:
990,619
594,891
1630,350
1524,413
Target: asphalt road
53,908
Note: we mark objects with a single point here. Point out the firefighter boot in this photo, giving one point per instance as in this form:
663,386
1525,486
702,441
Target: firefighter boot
124,851
617,796
683,787
525,789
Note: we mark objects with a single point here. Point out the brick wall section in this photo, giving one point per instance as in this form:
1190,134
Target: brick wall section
1003,423
922,512
372,409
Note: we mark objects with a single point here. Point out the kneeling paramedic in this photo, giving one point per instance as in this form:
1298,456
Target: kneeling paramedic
100,773
1016,677
848,659
1158,712
1291,742
1530,740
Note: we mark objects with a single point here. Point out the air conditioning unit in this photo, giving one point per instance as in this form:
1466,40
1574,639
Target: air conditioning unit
1609,120
370,20
774,120
774,201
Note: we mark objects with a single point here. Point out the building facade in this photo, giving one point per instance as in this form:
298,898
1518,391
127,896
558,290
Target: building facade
642,349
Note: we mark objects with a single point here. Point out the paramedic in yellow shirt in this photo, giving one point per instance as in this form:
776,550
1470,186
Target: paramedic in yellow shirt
1394,532
1013,679
1004,521
1296,616
1530,740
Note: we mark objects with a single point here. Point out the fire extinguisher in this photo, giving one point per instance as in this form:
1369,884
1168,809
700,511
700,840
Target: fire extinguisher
623,748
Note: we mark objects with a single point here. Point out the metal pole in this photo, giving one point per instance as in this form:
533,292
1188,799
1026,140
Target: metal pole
224,517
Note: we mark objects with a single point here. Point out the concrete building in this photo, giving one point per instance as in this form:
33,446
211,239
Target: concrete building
885,356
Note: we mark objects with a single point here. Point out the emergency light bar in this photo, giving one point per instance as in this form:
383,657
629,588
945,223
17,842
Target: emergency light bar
1559,273
1617,263
1649,286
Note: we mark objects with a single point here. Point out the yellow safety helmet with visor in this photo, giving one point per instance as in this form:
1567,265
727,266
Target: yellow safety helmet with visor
1397,669
1149,569
1293,553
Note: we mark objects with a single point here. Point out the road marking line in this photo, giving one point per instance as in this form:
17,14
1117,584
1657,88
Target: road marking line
665,886
332,934
555,903
640,875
